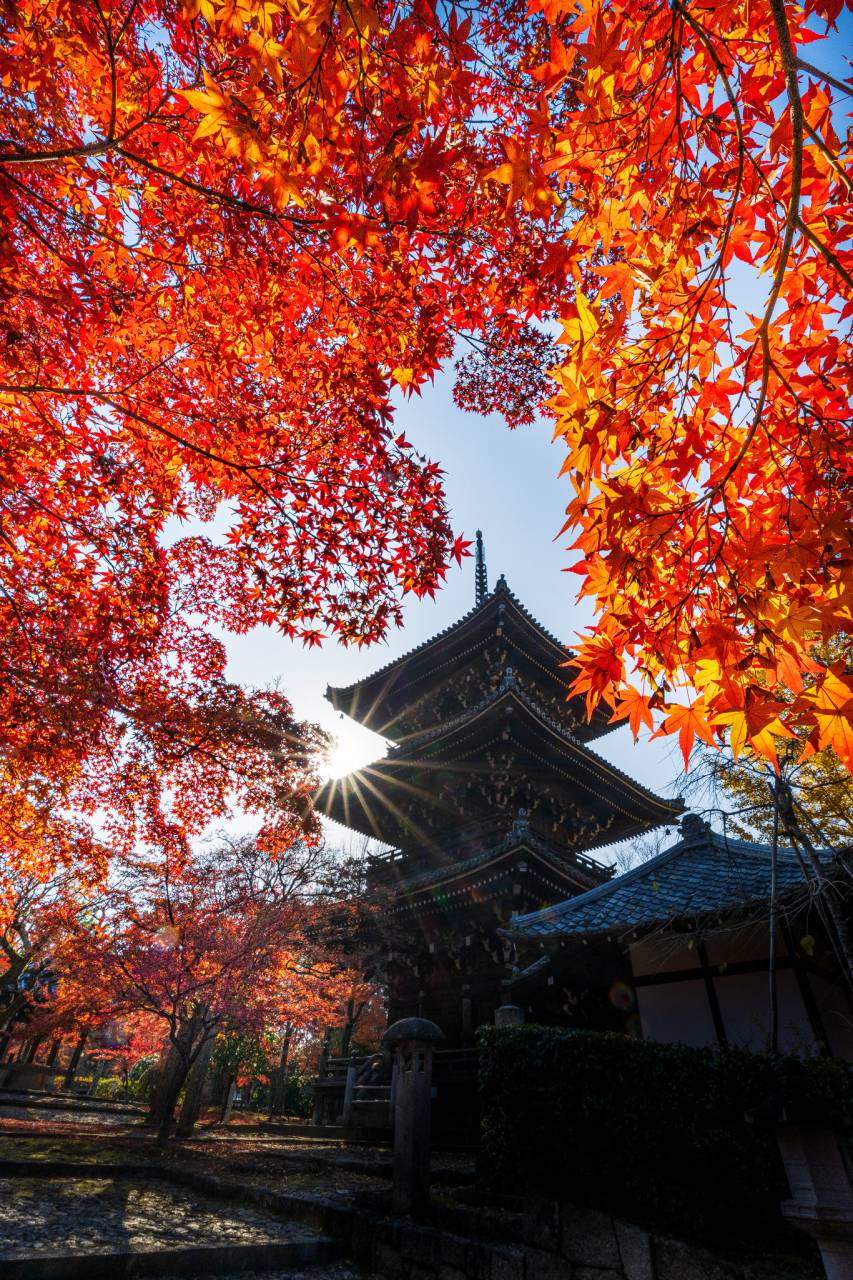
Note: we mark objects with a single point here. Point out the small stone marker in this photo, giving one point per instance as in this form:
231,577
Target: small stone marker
509,1015
412,1040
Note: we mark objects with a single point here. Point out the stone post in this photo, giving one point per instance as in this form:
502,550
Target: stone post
412,1040
821,1193
349,1092
467,1015
509,1015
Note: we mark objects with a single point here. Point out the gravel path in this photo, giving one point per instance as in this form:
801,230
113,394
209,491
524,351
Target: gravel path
40,1215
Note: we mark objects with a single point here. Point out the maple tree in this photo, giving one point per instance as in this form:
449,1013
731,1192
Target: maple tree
230,231
704,394
31,939
234,228
218,940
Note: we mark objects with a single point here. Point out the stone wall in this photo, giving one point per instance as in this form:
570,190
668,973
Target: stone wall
560,1243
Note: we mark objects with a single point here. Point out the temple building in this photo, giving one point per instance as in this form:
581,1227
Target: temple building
680,947
491,800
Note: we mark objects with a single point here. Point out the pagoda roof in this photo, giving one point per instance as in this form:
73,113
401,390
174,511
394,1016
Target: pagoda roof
368,800
702,874
520,840
380,700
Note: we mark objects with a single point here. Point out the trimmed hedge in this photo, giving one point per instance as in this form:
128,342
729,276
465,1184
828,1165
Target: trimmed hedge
657,1132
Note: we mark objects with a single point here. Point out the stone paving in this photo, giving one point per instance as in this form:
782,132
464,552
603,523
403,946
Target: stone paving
80,1215
77,1116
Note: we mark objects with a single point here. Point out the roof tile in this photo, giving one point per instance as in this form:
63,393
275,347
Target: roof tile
704,872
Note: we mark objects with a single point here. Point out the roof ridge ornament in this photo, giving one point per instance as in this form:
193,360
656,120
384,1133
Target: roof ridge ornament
481,582
693,827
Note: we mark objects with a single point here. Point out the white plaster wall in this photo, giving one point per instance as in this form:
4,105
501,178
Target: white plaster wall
677,1011
745,1005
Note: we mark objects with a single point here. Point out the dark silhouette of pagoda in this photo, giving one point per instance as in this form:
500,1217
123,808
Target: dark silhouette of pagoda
490,797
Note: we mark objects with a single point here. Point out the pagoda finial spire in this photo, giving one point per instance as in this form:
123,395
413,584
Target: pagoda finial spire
481,582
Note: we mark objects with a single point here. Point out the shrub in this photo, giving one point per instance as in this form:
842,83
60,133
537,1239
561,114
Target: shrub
298,1094
657,1132
111,1088
142,1079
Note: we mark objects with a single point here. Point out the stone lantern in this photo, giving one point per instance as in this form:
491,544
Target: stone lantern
412,1041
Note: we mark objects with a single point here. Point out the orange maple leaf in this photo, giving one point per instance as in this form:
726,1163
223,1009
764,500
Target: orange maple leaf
689,723
634,706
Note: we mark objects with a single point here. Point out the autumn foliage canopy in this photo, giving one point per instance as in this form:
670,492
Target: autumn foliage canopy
233,228
705,398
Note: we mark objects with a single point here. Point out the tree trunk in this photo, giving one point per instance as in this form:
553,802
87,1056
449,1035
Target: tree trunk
279,1084
183,1051
168,1101
98,1071
172,1067
832,911
195,1088
71,1071
229,1101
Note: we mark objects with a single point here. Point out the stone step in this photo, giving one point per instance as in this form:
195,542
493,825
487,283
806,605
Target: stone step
167,1221
370,1112
283,1257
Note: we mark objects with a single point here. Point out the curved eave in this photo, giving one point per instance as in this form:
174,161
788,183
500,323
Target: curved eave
546,729
365,700
582,876
455,877
364,800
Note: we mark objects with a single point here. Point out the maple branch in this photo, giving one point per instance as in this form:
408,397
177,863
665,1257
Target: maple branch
810,69
112,403
218,197
826,252
111,127
780,22
24,156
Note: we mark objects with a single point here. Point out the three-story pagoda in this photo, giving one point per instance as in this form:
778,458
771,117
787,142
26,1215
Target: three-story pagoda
490,797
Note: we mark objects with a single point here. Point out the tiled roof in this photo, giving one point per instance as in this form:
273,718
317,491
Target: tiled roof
521,839
510,688
409,752
339,692
703,873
